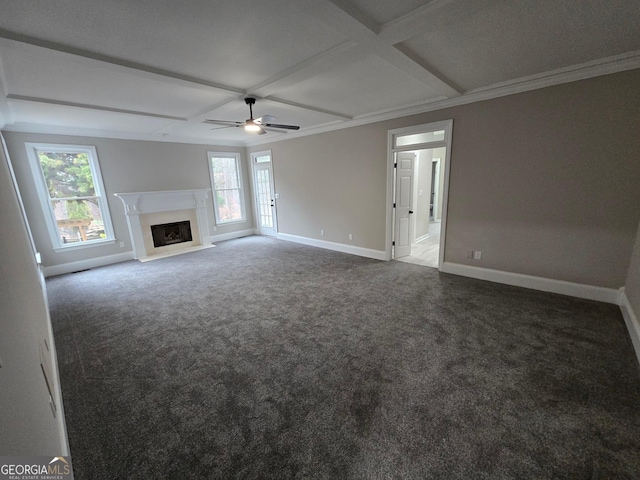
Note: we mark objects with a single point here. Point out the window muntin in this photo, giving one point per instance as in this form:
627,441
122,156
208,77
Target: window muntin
71,193
227,187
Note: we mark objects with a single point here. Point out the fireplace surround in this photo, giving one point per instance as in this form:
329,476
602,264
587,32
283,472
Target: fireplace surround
144,209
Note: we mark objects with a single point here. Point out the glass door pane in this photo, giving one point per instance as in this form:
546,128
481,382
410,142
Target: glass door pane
263,193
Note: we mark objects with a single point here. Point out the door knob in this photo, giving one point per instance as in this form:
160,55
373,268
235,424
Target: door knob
410,212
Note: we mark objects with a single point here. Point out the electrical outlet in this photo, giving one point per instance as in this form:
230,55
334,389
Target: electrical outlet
477,255
322,233
121,244
277,196
469,253
351,236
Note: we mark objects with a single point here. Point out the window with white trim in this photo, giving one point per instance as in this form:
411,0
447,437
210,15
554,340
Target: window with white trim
70,188
226,180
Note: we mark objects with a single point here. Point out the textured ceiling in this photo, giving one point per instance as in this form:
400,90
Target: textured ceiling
155,69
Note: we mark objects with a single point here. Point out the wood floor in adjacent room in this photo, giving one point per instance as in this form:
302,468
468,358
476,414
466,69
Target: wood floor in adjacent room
427,250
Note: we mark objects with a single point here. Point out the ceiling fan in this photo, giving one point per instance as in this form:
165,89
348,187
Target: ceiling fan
258,125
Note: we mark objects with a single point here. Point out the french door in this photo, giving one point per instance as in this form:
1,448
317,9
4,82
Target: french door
264,193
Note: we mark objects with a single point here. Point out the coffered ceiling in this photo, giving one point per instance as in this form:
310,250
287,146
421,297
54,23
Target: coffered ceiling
155,69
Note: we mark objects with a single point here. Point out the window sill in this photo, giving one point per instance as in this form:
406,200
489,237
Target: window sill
231,222
80,246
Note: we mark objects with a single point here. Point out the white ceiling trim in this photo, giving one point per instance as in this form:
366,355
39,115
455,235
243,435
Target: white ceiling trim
581,71
124,66
614,64
203,113
355,25
5,110
153,73
22,98
341,54
410,24
99,133
307,107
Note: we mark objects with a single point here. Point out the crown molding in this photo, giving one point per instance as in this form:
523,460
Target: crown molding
583,71
89,132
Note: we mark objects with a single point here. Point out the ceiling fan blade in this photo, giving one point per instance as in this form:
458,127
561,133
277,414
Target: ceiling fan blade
258,125
224,122
278,125
265,119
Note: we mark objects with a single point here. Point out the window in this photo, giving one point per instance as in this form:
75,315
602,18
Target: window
417,138
261,157
70,188
227,187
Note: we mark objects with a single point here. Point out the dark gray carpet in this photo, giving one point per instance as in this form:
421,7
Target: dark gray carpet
266,359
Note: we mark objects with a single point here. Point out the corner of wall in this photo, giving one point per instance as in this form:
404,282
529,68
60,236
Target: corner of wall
631,320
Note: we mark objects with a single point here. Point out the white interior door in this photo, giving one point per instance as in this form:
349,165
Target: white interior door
265,199
404,199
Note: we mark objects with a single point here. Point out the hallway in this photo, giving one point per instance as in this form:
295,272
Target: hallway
427,251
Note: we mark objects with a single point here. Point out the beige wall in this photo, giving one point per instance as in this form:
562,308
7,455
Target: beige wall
336,182
127,166
26,422
632,286
544,183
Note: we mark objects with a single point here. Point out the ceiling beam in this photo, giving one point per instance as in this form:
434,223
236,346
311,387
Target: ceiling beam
5,111
297,73
126,66
60,103
309,107
343,53
411,24
343,17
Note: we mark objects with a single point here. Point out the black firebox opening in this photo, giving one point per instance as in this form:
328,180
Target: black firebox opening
170,233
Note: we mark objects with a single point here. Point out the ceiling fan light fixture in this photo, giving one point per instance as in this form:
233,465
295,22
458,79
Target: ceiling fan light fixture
258,125
251,127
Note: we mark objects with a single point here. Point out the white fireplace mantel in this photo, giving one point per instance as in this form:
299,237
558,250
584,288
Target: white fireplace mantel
142,203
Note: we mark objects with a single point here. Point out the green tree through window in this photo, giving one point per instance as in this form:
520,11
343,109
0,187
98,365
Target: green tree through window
76,205
225,176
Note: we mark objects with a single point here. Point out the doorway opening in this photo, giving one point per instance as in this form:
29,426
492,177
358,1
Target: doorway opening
418,181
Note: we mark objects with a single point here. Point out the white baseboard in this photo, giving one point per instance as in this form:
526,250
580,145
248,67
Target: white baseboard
122,257
86,264
631,319
231,235
590,292
338,247
419,239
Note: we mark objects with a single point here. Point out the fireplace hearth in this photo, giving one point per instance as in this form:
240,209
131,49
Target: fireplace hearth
171,233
